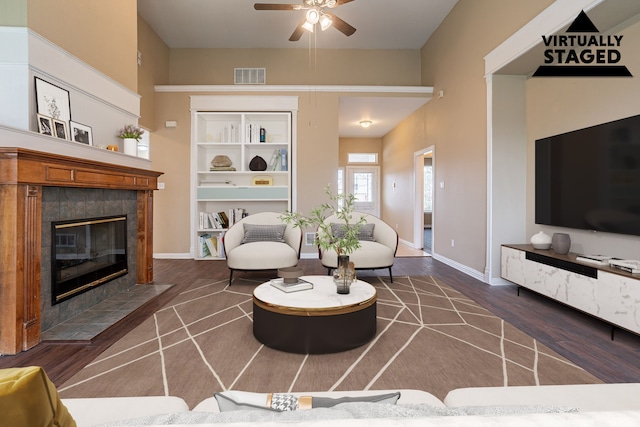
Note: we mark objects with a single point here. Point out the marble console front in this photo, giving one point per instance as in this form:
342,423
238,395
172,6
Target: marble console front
603,292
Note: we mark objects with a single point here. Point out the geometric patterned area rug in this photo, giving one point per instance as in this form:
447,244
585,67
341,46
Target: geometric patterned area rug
429,337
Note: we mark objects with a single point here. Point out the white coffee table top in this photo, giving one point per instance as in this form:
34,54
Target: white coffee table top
323,295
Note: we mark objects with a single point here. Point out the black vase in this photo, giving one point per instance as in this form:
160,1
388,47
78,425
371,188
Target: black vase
343,275
561,243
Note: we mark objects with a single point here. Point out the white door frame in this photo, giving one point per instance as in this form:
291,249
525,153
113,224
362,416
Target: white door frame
418,213
347,180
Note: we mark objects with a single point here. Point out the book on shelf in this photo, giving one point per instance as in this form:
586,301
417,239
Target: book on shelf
224,219
203,221
214,220
298,285
203,249
212,245
230,133
629,265
275,160
284,162
252,133
235,215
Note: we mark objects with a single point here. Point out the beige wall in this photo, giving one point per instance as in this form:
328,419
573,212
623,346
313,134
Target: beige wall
557,105
100,33
358,145
154,71
452,61
298,66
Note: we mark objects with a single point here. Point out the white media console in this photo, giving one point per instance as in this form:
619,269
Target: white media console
603,292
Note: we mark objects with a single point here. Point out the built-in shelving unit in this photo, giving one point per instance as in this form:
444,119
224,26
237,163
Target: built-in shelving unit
235,189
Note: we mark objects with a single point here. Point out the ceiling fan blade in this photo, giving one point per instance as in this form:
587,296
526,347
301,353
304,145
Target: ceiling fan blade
297,33
341,2
341,25
270,6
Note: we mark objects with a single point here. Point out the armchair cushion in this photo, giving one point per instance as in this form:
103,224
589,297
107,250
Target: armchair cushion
263,233
365,231
262,256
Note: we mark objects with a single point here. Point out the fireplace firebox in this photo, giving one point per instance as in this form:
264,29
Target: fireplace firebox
86,253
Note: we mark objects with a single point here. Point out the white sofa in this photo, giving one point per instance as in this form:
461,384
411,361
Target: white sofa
598,405
372,254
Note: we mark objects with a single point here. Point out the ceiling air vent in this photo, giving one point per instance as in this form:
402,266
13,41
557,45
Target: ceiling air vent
250,76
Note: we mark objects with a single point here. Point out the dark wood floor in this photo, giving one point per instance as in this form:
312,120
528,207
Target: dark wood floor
580,338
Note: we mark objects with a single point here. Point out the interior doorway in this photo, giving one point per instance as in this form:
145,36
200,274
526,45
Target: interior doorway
424,209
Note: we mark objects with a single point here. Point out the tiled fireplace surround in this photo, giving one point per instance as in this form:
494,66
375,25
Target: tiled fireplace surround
65,203
37,188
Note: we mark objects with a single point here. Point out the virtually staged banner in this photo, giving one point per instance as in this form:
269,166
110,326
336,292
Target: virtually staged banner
582,52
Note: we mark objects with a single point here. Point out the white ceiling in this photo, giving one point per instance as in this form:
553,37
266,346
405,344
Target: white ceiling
380,24
384,113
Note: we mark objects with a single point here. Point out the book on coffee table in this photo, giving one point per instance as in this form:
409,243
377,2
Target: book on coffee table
298,285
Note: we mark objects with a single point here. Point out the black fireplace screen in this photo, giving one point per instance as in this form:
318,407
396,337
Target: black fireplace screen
86,253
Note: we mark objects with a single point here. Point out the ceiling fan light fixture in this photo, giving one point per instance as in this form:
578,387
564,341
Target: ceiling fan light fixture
313,15
330,3
325,21
308,26
365,123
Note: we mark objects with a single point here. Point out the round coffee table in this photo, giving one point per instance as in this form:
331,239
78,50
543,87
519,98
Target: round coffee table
317,320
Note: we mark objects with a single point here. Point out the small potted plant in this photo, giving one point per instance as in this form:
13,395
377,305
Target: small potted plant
343,239
130,134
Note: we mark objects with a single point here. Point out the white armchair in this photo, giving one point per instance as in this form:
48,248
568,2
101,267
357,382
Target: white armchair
261,241
372,254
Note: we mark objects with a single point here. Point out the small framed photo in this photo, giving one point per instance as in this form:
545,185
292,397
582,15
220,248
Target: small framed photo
60,129
80,133
52,101
45,125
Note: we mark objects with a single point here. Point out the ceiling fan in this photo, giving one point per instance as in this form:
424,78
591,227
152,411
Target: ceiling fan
316,14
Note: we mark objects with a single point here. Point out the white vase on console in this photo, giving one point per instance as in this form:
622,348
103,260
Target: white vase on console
541,240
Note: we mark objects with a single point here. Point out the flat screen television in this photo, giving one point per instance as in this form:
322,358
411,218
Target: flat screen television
590,178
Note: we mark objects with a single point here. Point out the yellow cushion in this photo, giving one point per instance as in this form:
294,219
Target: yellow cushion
29,399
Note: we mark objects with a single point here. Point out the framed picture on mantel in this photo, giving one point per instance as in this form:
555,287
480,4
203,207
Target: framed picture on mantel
81,133
52,101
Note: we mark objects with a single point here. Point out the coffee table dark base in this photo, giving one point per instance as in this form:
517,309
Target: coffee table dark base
314,334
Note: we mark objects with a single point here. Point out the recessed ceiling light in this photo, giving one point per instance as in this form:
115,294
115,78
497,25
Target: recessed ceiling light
365,123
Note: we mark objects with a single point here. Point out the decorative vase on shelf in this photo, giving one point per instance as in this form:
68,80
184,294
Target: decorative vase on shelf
541,240
343,275
130,146
561,243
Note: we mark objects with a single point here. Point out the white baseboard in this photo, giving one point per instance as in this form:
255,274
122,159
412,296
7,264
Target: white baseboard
460,267
499,281
408,243
172,256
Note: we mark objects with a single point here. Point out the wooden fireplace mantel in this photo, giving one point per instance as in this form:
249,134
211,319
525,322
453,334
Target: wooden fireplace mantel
23,173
